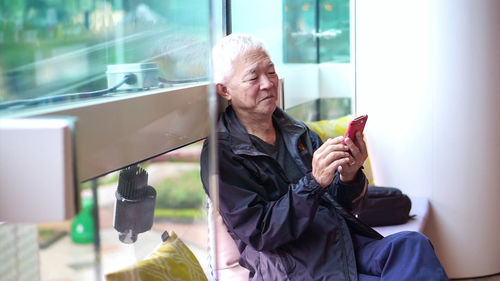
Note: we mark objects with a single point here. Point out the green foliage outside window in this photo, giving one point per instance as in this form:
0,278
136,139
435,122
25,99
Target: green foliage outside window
56,47
184,191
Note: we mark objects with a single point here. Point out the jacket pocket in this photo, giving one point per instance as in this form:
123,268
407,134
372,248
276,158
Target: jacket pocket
272,265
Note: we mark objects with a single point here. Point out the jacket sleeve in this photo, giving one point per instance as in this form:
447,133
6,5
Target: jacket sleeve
257,221
349,195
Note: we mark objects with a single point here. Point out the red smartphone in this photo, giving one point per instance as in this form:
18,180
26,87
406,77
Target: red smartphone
356,125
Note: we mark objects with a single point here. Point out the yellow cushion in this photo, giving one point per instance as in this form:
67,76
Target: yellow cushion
334,128
172,260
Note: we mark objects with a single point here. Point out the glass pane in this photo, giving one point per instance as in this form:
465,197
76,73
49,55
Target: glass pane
299,29
63,48
334,31
67,248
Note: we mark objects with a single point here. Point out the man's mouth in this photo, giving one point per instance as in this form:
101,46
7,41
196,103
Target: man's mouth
267,97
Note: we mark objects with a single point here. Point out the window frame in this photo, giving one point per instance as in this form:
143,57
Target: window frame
114,132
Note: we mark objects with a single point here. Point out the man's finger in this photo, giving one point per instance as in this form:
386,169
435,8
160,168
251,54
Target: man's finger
361,144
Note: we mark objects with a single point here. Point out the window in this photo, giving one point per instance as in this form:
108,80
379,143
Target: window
316,31
66,249
54,50
312,53
299,29
57,51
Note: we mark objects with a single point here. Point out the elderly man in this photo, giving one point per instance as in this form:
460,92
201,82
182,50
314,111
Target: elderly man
286,197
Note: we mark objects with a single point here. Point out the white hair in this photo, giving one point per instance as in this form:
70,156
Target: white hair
228,49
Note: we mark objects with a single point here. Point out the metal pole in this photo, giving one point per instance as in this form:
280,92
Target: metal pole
97,240
213,161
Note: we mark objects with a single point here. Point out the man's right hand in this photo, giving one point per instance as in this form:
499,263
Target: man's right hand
327,158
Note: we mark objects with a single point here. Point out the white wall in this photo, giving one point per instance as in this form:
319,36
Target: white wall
393,88
428,75
300,83
336,80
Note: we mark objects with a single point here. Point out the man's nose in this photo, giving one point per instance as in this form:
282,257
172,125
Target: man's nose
266,82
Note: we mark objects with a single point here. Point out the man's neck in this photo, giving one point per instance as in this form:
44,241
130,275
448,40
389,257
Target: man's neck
260,126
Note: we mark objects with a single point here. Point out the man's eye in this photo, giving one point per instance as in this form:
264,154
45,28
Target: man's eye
272,72
253,79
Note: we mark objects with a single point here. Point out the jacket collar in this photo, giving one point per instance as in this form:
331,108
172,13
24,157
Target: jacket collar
229,124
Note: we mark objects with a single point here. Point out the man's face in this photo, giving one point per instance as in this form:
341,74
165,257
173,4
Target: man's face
253,87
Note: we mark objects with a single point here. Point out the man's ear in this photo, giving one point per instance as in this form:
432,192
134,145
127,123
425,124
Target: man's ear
222,91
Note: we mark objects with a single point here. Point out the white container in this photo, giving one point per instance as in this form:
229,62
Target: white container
146,73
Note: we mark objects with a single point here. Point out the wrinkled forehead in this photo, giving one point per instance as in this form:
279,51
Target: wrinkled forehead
255,55
251,59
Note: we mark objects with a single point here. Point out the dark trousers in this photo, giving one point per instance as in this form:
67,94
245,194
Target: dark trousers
401,256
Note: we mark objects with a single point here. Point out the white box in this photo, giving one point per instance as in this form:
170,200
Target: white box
146,73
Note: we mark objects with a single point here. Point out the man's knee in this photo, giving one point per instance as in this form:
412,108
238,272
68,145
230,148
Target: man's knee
412,239
413,235
422,261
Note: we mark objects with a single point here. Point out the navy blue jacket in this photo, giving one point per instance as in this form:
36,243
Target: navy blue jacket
284,230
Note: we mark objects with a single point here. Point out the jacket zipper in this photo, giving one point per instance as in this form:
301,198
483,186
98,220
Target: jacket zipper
344,251
346,261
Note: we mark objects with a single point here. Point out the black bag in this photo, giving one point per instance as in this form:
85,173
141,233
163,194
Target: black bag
385,206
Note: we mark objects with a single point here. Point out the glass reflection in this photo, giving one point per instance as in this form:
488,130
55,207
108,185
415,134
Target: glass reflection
66,252
316,31
60,48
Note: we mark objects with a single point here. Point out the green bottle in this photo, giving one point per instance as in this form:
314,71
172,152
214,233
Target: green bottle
82,228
